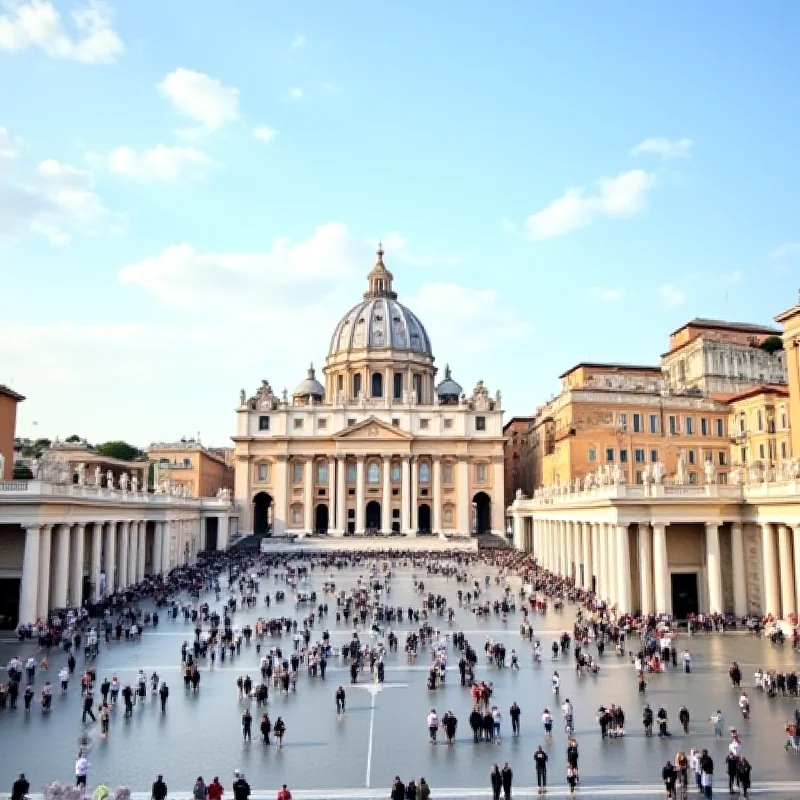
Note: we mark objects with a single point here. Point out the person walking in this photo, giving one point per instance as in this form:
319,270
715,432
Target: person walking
670,776
163,694
247,722
496,780
81,771
340,701
743,774
279,730
540,762
514,712
433,725
508,776
284,793
159,790
241,788
683,718
266,728
87,706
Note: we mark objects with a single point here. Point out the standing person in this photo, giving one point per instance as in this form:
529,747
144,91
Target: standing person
20,788
508,776
683,717
433,725
215,790
284,793
743,773
247,722
718,722
398,789
199,790
572,778
707,774
572,756
340,701
266,728
280,731
496,780
669,775
241,788
514,712
423,790
732,765
540,761
159,790
81,771
105,719
163,694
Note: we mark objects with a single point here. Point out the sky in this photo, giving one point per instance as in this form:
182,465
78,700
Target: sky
191,193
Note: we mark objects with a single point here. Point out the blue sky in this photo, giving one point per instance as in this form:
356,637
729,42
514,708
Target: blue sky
191,192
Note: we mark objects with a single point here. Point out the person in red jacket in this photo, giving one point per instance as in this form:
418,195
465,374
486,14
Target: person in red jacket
284,793
214,790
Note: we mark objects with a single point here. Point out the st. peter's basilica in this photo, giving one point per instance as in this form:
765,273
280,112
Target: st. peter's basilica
381,447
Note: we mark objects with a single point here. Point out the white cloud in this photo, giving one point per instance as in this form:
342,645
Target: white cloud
622,196
664,148
606,295
160,163
398,249
54,201
784,255
734,277
299,40
671,295
264,133
201,98
508,225
37,23
9,145
296,93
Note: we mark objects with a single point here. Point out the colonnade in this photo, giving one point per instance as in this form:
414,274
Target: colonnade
780,555
119,553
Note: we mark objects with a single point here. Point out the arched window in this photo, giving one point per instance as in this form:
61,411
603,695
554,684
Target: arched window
356,385
373,473
424,472
377,384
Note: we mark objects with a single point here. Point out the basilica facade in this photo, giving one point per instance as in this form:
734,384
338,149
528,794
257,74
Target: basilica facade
380,447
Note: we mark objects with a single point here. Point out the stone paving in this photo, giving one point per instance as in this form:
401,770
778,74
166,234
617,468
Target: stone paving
201,734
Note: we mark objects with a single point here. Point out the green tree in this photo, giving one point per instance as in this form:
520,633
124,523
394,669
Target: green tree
772,344
22,472
73,438
36,448
120,450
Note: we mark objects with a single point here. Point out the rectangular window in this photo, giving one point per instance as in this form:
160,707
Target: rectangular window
418,387
351,473
743,454
297,473
340,383
783,450
622,421
673,425
692,477
637,423
722,478
690,456
263,472
760,418
298,424
761,451
639,455
423,423
322,472
322,423
187,462
480,473
689,425
297,515
395,422
351,421
398,386
263,423
654,423
609,455
703,426
654,456
448,423
783,420
638,477
447,474
623,456
720,427
480,423
722,458
592,455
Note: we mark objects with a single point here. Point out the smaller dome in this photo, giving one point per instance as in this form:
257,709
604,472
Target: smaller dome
310,387
448,387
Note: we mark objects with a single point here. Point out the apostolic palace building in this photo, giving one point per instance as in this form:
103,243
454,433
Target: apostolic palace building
381,446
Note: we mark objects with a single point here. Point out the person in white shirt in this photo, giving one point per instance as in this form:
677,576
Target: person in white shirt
744,705
63,676
81,770
547,722
556,681
433,725
735,747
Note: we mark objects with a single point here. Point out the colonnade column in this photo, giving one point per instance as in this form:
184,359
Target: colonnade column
714,568
308,495
569,548
437,495
280,509
796,540
464,508
110,557
386,503
586,536
547,542
28,587
623,570
660,568
76,558
603,545
124,536
158,546
341,487
645,569
333,495
405,492
596,558
143,546
166,556
739,582
788,602
61,559
612,591
577,553
772,599
414,496
96,566
45,548
360,494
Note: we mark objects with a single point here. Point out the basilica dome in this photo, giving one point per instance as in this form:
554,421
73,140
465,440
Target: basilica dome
379,322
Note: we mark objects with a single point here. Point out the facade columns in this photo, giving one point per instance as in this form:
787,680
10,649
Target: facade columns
308,495
645,569
61,564
597,558
739,582
437,496
158,546
360,495
386,502
577,555
110,557
796,542
714,569
464,508
788,602
143,545
333,497
76,558
555,549
97,553
661,569
124,534
280,509
169,533
623,557
405,494
569,549
341,504
29,585
586,535
604,577
414,496
611,562
45,548
772,599
133,552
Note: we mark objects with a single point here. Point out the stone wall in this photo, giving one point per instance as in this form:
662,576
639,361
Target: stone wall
685,547
753,568
12,548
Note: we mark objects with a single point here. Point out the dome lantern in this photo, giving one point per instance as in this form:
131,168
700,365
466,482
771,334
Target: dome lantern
379,280
310,387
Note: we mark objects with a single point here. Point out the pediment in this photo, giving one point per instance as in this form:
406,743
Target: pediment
373,428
